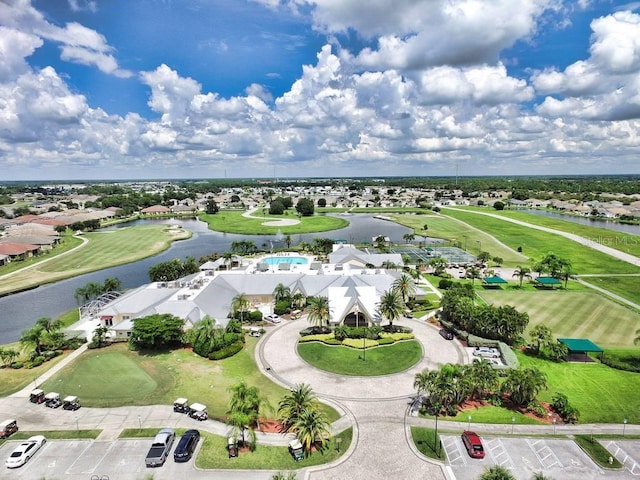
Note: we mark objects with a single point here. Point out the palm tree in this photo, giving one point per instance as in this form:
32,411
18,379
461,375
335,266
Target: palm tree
298,300
473,273
540,476
409,237
33,337
228,258
391,305
319,311
287,240
497,472
522,273
311,428
299,399
239,303
389,265
523,384
281,293
405,285
483,378
244,409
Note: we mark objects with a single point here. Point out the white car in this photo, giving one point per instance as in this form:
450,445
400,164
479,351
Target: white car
23,452
273,318
486,352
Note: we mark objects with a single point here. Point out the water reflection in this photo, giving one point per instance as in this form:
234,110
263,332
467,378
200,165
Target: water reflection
20,311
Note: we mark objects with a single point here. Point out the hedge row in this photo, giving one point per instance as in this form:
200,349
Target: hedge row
227,351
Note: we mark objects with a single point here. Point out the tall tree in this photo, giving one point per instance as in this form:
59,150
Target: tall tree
281,292
239,304
391,305
299,399
405,285
244,409
523,384
541,336
319,311
312,428
522,273
156,332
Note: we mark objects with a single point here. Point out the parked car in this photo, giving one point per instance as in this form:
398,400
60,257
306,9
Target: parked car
473,444
255,332
8,427
186,446
486,352
52,400
446,334
181,405
23,452
232,447
296,450
160,447
70,402
37,396
273,318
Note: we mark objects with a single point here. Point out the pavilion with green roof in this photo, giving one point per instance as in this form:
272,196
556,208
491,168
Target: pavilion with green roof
579,348
547,282
493,282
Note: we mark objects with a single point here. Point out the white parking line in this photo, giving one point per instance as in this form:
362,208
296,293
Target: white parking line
623,457
499,453
544,454
452,447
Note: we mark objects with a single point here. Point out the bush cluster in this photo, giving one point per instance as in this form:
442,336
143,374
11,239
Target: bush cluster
560,404
227,351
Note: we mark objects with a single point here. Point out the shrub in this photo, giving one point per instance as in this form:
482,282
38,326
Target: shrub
359,343
332,341
399,336
445,284
319,337
396,329
49,354
560,404
17,365
537,408
227,351
282,307
255,316
386,341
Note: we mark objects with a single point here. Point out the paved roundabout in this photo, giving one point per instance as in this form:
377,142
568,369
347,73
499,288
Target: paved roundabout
376,407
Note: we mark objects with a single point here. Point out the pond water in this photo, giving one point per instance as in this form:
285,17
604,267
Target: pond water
21,310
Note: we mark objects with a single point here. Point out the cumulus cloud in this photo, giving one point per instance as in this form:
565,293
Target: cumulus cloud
78,43
604,86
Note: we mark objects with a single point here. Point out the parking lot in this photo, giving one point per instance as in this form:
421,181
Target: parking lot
121,459
561,459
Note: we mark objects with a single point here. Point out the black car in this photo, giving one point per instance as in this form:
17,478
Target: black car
186,446
446,334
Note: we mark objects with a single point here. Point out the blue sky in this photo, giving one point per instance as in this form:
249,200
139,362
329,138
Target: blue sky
94,89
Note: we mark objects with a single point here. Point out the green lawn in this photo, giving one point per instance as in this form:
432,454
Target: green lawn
12,380
232,221
622,241
425,441
624,286
600,393
116,376
382,360
535,244
573,314
104,249
213,454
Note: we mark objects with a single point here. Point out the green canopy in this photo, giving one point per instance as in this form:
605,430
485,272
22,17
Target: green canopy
548,281
580,345
494,280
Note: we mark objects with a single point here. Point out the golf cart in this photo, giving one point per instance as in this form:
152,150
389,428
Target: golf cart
296,450
52,400
181,405
198,411
36,396
232,447
8,427
70,402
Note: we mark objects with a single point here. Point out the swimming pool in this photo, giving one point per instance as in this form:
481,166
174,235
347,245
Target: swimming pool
289,260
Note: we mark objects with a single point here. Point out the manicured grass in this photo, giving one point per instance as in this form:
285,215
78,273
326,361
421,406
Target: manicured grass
115,376
425,441
104,249
536,244
382,360
213,454
600,393
56,434
67,242
231,221
493,414
624,286
12,380
629,358
625,242
573,314
596,451
455,231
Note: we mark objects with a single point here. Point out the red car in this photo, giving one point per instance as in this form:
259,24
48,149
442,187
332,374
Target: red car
473,444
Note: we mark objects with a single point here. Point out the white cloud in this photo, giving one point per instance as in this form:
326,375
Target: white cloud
15,46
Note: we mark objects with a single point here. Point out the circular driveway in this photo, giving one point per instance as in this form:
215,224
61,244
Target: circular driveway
278,358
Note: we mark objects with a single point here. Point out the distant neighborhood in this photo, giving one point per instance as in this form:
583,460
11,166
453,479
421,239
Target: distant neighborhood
32,222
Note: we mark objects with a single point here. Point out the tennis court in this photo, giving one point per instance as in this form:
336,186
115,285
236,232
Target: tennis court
453,255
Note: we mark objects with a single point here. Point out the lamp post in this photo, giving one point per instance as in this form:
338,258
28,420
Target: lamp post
513,423
469,422
479,246
554,425
624,425
140,422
